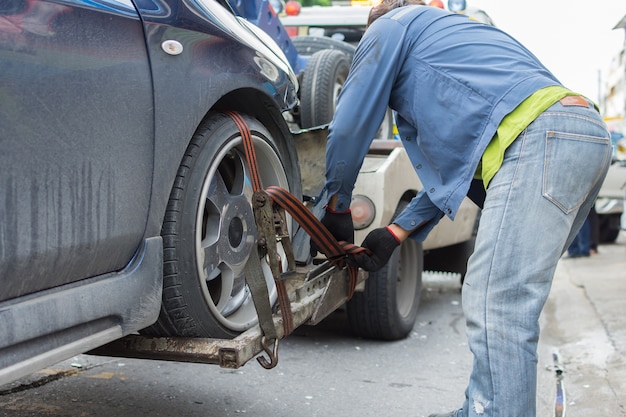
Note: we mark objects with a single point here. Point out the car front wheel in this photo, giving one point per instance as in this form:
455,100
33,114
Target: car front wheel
209,232
323,79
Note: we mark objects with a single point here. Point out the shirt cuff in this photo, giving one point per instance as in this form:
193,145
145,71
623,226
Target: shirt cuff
343,201
420,210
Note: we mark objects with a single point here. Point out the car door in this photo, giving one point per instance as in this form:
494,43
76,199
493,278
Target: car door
76,141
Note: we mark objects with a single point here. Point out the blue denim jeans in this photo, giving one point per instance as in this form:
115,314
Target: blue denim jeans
534,207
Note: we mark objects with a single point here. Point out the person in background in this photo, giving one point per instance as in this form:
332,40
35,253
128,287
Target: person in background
477,113
594,224
581,245
586,241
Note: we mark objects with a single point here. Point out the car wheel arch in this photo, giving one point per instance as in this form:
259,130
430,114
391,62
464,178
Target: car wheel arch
245,100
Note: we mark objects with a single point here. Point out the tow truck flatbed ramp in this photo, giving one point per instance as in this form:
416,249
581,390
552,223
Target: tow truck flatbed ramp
314,294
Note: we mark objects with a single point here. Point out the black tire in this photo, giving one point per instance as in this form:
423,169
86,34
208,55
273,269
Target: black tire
609,226
209,230
387,308
308,45
322,81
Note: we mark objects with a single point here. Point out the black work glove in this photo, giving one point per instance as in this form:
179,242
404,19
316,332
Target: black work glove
339,224
380,243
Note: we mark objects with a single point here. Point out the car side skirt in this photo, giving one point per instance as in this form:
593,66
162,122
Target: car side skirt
72,319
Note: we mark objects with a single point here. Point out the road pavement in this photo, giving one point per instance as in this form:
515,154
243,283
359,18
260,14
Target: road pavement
584,324
324,371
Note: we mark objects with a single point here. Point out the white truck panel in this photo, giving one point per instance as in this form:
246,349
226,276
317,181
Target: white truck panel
386,178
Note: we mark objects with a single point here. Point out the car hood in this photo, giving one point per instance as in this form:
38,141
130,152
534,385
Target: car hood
209,14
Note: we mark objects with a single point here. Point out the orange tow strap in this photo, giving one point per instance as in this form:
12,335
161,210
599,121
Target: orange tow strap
336,252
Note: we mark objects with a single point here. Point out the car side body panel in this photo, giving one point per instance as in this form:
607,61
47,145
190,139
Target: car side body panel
76,185
44,328
95,118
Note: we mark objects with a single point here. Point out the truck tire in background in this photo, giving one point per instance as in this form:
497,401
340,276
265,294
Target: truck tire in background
387,308
311,45
322,81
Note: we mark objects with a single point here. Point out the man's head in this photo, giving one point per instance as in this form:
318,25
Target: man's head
387,6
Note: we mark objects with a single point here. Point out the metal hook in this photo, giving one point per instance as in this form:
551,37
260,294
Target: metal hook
273,354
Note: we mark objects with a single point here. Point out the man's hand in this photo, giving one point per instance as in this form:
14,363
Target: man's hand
339,224
380,243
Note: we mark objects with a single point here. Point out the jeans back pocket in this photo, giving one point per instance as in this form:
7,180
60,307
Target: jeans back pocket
574,164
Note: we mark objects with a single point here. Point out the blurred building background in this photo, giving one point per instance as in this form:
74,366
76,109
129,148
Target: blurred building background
612,88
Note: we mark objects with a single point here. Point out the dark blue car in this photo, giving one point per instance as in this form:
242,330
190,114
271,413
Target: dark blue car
125,196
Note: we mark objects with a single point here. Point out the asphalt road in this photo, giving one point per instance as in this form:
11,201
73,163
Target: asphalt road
324,371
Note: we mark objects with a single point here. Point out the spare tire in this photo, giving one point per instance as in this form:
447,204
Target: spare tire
322,81
309,115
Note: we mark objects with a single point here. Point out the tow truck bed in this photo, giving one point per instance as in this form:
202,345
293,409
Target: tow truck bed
314,293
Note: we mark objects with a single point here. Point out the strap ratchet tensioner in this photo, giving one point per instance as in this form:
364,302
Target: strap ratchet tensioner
271,225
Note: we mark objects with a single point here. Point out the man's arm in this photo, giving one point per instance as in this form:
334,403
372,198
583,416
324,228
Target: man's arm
361,107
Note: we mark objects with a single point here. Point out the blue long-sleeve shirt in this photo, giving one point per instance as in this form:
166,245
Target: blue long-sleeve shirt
450,80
